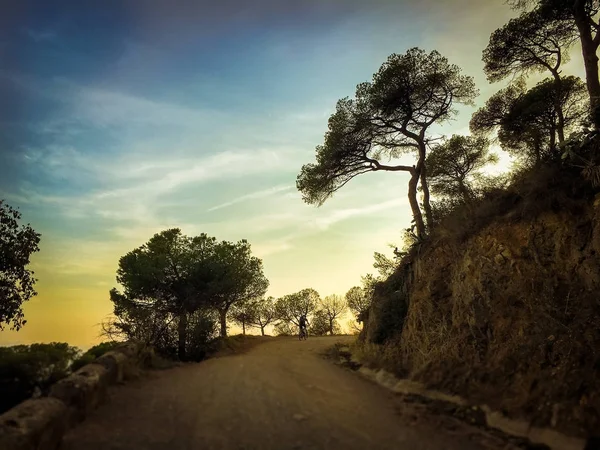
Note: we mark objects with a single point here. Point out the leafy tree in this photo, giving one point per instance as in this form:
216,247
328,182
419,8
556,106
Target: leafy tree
240,278
390,116
528,121
17,243
454,166
291,307
332,307
320,325
583,14
244,314
135,321
530,43
265,313
169,276
359,301
147,322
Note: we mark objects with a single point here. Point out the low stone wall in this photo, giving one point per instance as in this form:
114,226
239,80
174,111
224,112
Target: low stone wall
40,424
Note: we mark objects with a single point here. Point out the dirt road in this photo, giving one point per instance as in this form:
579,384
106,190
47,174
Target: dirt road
280,395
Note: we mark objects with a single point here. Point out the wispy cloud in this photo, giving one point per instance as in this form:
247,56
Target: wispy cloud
253,196
103,107
40,35
325,222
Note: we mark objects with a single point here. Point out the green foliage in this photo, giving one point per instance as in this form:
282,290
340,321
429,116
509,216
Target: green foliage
239,277
174,280
454,166
25,369
17,244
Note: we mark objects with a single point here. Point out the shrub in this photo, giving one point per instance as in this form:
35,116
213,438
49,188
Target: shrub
95,352
25,369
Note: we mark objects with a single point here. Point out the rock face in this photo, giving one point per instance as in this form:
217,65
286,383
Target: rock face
509,317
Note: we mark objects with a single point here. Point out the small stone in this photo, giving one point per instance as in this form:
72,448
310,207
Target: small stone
299,417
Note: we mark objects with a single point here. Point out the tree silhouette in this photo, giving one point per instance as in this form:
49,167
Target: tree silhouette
389,116
528,121
17,244
455,164
332,307
529,43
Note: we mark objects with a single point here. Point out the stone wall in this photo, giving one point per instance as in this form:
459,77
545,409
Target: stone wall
40,424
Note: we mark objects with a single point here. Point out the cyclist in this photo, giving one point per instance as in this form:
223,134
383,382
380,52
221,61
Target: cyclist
303,322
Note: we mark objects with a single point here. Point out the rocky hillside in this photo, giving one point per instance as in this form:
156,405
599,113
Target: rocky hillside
503,308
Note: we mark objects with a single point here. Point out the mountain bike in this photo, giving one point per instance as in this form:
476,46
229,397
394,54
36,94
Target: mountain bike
303,335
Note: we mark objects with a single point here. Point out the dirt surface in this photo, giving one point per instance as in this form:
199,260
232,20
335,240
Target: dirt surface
279,395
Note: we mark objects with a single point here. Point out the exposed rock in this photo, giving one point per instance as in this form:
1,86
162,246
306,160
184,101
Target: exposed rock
510,317
82,391
34,424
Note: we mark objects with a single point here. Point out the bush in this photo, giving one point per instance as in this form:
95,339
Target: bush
95,352
27,369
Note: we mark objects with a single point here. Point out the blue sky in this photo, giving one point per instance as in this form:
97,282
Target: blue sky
125,118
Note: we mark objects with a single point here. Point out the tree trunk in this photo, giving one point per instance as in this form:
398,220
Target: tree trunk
590,59
422,173
244,328
558,106
223,320
414,204
426,199
262,330
466,195
331,327
182,332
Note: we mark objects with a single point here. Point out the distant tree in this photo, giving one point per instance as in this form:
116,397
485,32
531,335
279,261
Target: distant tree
240,278
583,14
265,313
390,116
291,307
244,314
333,306
17,243
528,121
455,164
530,43
320,325
359,301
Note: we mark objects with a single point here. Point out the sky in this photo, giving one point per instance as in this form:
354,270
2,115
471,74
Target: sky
120,119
